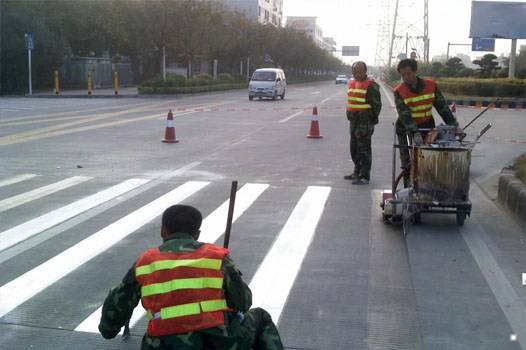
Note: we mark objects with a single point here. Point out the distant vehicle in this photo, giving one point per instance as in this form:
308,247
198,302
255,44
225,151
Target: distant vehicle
267,82
341,79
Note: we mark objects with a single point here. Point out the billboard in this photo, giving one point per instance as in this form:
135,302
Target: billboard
481,44
496,19
350,50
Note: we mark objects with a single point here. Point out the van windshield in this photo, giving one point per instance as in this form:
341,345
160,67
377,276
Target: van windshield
264,76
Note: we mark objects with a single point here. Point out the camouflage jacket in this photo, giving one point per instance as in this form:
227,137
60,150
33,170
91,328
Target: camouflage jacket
373,98
440,104
124,297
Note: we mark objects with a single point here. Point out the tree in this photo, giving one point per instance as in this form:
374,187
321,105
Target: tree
488,66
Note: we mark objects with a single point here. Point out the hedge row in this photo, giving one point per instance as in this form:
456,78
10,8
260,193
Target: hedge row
484,87
167,90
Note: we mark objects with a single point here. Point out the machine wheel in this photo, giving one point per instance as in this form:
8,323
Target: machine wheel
461,217
250,98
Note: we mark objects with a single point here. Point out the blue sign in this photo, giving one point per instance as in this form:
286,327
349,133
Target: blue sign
498,19
481,44
350,50
30,41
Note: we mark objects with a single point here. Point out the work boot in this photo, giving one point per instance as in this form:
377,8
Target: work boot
352,176
361,181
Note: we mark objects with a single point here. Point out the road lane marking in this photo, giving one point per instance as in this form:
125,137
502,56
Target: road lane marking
387,94
10,139
323,101
275,276
508,300
34,135
315,92
40,192
291,116
16,179
211,229
32,227
24,287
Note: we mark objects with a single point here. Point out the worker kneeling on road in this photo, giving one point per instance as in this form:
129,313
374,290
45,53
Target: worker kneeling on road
415,98
193,293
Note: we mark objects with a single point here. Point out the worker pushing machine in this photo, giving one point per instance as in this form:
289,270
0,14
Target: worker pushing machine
415,98
363,107
193,293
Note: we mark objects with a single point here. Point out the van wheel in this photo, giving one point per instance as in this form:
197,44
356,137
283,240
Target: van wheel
250,98
283,95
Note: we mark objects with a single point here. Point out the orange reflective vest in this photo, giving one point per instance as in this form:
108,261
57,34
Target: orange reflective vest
182,291
420,103
356,95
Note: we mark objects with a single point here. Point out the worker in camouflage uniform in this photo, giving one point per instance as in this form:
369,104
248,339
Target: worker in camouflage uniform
363,107
193,293
415,98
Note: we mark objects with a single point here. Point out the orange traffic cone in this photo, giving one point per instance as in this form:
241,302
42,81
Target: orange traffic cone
314,132
169,134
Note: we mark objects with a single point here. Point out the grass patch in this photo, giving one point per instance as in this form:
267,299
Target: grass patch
520,168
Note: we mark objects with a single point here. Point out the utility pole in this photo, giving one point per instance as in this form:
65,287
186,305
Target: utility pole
393,36
426,31
513,54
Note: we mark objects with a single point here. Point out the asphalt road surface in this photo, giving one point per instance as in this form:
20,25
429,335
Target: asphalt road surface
83,182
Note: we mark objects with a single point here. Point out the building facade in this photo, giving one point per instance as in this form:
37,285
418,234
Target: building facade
262,11
309,25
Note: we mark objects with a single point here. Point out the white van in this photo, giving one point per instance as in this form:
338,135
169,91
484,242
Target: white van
267,82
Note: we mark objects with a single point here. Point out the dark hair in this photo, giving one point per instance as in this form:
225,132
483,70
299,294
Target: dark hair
182,218
408,62
359,63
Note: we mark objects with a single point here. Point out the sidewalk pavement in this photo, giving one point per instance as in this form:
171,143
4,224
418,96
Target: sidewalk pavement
123,92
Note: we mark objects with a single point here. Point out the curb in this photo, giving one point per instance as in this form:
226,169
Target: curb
502,105
512,195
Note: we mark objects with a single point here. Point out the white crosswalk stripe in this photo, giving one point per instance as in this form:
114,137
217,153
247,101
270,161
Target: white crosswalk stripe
274,279
16,179
270,286
15,201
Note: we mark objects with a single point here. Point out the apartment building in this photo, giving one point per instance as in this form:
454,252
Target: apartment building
263,11
310,26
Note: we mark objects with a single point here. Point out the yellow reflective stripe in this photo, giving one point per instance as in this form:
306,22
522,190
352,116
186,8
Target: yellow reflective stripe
419,98
364,106
361,91
421,114
421,108
180,310
203,263
213,305
184,283
193,308
358,99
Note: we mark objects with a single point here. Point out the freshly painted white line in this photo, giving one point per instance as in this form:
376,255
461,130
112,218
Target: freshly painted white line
211,229
22,288
315,92
323,101
16,179
388,94
509,302
40,192
32,227
275,276
291,116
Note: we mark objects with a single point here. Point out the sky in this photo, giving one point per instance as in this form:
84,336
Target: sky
356,22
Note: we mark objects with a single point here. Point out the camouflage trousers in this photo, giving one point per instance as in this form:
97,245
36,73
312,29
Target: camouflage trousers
361,130
255,331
